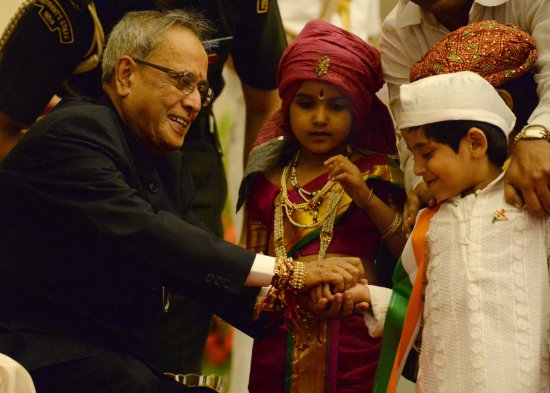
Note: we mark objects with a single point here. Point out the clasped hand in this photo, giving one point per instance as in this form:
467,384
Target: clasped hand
332,287
341,273
323,303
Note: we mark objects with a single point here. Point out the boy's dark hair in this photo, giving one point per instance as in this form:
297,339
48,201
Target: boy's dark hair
451,133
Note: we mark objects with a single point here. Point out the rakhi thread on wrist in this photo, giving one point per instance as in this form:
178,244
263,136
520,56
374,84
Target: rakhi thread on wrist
288,279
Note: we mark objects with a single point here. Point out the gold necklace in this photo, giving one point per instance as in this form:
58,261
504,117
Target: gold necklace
311,206
312,202
305,194
283,203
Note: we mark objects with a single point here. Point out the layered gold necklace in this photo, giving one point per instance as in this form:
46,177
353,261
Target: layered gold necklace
308,209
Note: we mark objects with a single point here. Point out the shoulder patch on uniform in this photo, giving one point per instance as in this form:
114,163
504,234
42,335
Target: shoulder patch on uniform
262,6
56,19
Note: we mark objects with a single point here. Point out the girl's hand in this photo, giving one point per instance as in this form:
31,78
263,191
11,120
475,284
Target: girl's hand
345,172
321,292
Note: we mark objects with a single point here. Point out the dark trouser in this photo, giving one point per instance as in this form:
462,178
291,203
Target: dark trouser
105,374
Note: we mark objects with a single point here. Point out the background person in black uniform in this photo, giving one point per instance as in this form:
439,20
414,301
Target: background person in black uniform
51,40
95,221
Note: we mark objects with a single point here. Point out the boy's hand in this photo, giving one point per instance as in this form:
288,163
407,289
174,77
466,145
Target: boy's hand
360,292
361,296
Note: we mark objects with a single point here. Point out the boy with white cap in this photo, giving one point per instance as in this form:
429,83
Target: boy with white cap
476,266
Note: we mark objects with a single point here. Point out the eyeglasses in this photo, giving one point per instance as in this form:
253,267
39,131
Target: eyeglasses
187,82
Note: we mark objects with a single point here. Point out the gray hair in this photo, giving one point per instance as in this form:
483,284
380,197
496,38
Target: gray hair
139,32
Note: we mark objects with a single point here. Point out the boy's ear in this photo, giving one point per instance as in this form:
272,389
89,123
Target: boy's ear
507,97
477,142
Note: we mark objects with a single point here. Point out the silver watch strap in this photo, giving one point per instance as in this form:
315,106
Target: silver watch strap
216,382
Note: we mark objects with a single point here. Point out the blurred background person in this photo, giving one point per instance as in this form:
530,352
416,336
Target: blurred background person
361,17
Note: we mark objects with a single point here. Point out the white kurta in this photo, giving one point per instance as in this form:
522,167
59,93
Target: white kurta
13,377
487,298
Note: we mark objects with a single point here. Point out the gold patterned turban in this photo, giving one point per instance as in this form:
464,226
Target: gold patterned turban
499,53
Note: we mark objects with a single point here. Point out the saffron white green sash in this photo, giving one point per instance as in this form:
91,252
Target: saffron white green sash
403,317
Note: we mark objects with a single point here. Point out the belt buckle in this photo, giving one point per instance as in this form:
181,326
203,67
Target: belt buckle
212,381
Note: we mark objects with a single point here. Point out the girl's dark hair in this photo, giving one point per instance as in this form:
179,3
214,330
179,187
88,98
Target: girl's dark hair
451,133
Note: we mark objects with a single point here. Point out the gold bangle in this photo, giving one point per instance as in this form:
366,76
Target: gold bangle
368,200
288,274
394,228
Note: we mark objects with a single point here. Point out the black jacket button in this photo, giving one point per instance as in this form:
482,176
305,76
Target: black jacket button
153,187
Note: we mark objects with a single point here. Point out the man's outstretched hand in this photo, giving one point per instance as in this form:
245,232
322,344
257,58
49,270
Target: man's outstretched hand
340,272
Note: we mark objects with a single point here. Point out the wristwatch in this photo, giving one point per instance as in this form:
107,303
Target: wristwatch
533,132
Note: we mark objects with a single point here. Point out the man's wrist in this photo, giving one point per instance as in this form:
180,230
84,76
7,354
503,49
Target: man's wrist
533,132
261,272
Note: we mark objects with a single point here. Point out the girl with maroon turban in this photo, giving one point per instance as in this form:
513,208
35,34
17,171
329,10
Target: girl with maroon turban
321,180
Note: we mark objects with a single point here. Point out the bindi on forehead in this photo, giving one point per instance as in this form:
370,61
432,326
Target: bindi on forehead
321,95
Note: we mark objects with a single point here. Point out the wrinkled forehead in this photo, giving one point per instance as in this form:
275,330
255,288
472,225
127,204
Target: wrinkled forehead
181,50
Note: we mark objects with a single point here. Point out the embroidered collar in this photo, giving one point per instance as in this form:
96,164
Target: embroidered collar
491,185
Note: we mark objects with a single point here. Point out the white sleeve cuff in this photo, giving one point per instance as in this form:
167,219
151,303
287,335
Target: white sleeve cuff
261,272
376,314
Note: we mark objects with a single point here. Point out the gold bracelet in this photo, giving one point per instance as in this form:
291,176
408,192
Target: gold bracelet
393,223
394,228
298,279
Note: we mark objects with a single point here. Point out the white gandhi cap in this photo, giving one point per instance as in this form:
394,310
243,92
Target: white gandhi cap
456,96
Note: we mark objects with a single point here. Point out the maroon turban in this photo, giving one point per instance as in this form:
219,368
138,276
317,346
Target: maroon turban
326,53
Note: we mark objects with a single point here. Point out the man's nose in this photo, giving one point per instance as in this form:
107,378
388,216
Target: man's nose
193,101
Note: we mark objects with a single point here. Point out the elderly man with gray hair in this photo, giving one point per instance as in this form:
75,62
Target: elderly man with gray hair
96,229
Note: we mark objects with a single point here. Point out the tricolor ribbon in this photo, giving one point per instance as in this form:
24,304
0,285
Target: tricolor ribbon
404,311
